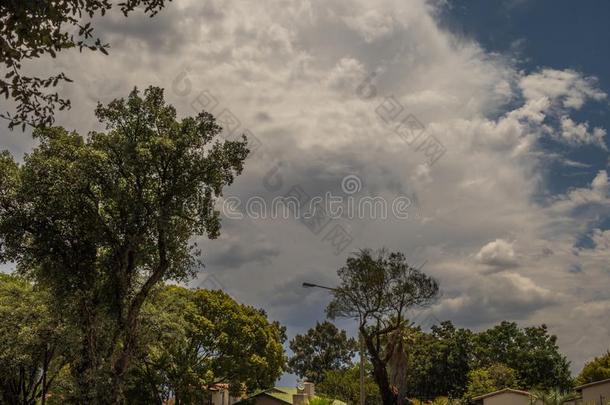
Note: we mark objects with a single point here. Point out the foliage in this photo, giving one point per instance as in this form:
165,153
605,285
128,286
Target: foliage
322,348
552,397
320,401
439,361
489,379
531,351
345,385
377,289
597,369
31,29
102,220
198,338
32,342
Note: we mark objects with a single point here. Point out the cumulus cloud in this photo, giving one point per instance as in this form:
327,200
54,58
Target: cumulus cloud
499,296
598,194
567,88
498,253
371,25
579,133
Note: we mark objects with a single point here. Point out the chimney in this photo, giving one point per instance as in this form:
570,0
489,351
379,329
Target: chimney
310,389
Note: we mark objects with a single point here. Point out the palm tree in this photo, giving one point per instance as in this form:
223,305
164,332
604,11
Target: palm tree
553,397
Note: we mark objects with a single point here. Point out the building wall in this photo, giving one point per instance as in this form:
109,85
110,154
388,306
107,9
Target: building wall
222,397
507,398
219,397
591,395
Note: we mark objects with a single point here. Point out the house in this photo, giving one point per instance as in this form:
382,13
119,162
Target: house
595,393
507,396
284,396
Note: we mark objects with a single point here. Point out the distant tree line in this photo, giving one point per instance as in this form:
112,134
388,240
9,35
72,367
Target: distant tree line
443,362
376,289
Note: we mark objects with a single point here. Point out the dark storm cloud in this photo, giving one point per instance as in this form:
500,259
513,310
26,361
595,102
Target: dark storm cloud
238,253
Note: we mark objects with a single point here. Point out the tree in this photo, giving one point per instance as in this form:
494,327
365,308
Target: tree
531,351
102,220
439,361
489,379
344,385
321,349
197,338
596,370
378,289
31,29
32,342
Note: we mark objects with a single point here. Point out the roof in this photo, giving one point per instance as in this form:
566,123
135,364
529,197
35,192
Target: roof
284,394
504,391
580,387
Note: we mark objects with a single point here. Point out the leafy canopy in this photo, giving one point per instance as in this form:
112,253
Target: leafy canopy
489,379
31,29
322,348
439,361
597,369
193,339
531,351
344,385
34,342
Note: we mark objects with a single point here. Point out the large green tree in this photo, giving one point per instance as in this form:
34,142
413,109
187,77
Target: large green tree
596,370
439,361
31,29
531,351
101,220
323,348
193,339
489,379
377,289
33,342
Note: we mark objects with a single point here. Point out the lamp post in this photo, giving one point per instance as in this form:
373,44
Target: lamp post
360,339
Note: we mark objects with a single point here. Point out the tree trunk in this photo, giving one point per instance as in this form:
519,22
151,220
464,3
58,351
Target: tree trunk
45,365
380,373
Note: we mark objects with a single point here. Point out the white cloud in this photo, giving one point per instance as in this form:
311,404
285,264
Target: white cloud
578,133
568,88
372,25
498,253
598,193
345,73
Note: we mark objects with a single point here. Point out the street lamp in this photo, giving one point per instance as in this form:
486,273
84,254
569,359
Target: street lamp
361,341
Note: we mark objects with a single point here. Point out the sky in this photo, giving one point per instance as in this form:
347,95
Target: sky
481,125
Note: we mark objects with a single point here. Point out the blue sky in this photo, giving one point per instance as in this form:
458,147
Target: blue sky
562,34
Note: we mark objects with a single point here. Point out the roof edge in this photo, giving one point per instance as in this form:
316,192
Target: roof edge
502,391
580,387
